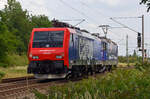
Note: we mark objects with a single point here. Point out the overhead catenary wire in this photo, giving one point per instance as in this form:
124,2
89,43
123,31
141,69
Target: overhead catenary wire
83,14
126,17
121,40
84,4
124,25
112,18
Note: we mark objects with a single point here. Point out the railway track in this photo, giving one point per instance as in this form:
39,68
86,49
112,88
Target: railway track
20,87
16,79
14,85
20,90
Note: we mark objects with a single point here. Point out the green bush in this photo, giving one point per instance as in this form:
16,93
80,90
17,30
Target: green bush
120,84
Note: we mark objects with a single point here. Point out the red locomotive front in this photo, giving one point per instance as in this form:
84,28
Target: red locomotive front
48,52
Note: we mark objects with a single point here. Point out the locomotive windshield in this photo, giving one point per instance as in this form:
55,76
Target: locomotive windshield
47,39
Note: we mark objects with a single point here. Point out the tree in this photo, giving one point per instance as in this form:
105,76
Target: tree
17,21
20,23
7,42
41,21
146,2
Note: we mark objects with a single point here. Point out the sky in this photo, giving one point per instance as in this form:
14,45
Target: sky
95,13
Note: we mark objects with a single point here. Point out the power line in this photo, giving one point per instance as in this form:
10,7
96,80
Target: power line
83,14
84,4
126,17
124,25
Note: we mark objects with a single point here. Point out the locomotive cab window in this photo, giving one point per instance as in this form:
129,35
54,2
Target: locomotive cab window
47,39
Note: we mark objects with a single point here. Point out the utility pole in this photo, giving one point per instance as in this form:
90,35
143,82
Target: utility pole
127,50
143,50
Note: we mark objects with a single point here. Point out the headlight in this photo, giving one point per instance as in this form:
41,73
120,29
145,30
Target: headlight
59,57
30,55
35,57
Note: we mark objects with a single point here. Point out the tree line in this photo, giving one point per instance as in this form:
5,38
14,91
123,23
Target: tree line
16,25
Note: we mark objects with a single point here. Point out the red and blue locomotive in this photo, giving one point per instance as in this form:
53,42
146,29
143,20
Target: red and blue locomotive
59,52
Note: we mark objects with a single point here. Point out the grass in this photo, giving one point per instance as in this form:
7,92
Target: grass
14,60
15,71
15,66
119,84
